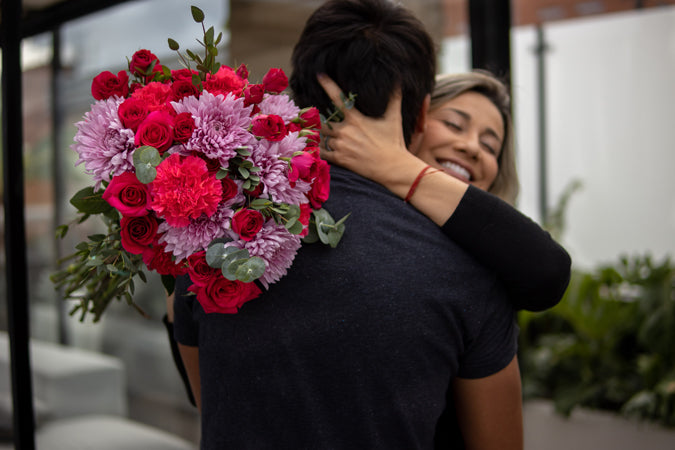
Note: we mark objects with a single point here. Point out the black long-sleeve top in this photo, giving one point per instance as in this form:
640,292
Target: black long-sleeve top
533,267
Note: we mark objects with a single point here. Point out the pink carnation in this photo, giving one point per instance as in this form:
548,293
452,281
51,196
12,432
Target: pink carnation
184,190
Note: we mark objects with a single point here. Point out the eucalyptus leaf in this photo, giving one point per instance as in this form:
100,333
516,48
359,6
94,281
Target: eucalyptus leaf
251,270
296,228
146,158
230,270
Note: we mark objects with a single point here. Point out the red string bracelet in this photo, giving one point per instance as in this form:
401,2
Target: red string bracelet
413,187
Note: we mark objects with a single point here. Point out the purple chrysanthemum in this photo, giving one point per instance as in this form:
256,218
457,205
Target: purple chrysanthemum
183,241
221,123
103,144
281,105
274,171
276,246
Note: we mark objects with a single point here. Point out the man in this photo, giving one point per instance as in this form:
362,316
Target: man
377,343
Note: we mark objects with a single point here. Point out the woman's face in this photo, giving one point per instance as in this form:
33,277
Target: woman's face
463,137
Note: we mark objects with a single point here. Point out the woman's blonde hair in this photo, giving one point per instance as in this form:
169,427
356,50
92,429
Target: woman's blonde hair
449,86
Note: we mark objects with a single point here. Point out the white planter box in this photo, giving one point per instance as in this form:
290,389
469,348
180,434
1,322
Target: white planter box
589,430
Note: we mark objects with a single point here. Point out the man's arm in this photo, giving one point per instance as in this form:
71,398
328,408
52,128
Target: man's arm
490,411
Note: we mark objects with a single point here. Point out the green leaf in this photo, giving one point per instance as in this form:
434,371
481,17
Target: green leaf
218,253
296,228
312,235
61,231
173,45
222,173
230,270
251,269
208,37
146,158
218,39
89,202
328,231
260,203
243,171
197,14
169,283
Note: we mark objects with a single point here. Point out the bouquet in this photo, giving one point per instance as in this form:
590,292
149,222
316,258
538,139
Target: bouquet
195,171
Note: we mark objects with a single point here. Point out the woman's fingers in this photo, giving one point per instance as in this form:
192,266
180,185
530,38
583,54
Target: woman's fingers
332,89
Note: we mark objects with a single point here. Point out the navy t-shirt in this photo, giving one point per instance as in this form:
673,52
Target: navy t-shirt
356,346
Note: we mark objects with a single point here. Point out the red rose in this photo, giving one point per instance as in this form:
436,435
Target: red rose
269,126
132,112
242,71
183,88
183,126
106,84
304,167
224,81
305,213
224,296
212,165
311,118
128,195
321,185
230,188
247,222
155,131
158,260
138,233
183,74
141,62
199,270
275,80
253,94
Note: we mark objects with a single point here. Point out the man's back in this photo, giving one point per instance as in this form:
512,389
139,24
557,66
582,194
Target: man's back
356,346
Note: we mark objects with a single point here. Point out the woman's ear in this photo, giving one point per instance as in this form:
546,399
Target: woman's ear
420,126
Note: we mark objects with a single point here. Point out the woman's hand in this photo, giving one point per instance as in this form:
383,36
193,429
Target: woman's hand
373,148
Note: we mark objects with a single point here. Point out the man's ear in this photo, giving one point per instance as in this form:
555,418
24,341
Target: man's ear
420,126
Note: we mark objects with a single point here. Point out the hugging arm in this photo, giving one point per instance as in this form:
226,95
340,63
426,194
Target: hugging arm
533,267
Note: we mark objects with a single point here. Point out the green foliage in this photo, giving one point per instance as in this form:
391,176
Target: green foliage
207,63
99,272
609,344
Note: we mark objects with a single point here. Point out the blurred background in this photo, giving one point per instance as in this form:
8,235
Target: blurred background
594,104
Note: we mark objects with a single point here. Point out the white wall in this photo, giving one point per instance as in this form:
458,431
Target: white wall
611,124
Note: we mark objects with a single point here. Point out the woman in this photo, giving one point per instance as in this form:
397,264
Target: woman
471,183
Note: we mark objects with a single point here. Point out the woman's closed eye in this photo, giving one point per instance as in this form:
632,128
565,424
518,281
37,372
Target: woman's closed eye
452,125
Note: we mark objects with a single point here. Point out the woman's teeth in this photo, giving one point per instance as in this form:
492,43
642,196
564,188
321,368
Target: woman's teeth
459,170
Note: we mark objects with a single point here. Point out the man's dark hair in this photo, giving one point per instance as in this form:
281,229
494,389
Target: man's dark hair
368,47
